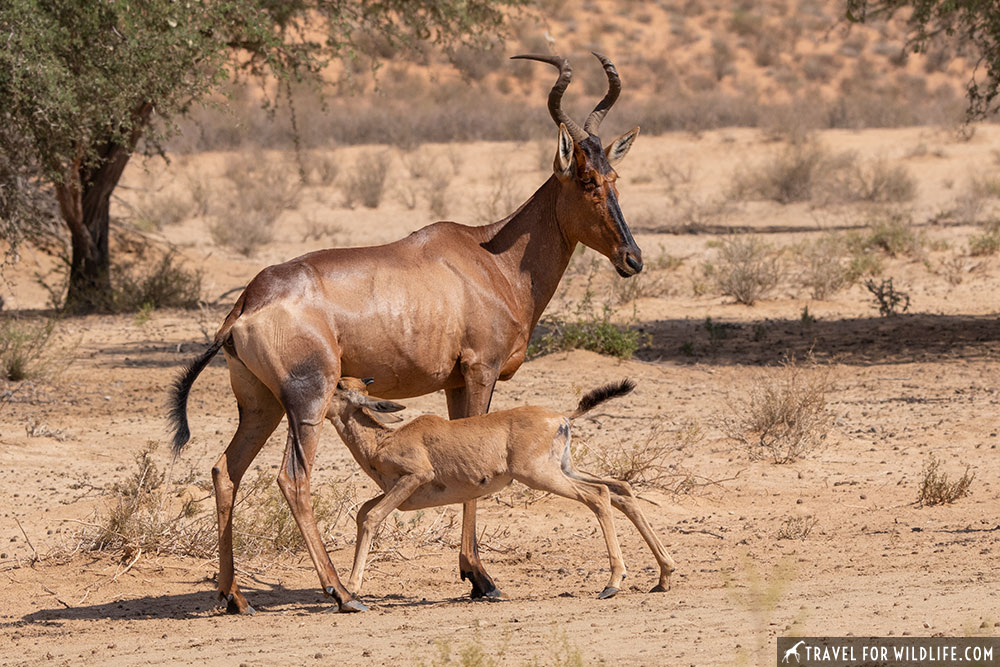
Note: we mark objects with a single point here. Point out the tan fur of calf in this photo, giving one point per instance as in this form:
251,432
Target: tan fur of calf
432,461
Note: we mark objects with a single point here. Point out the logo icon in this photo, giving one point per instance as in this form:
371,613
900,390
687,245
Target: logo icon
793,651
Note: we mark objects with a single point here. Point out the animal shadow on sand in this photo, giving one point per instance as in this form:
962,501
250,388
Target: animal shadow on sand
266,598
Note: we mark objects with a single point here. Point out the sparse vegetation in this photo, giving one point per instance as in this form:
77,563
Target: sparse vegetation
889,232
982,245
745,268
783,415
151,514
888,299
587,330
788,176
146,283
824,270
263,523
651,459
805,170
937,489
366,182
796,528
24,348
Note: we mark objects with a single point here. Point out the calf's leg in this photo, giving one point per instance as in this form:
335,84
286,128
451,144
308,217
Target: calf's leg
373,513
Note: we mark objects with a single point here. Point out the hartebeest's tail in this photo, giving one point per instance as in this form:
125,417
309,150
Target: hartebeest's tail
179,396
182,385
595,397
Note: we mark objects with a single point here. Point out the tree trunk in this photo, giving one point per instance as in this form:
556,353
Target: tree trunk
85,202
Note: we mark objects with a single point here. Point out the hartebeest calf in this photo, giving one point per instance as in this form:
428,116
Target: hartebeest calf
432,461
448,307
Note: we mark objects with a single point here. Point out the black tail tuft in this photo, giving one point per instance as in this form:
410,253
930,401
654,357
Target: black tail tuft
179,396
595,397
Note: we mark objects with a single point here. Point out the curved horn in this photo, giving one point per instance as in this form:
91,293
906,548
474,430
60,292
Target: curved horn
555,95
614,88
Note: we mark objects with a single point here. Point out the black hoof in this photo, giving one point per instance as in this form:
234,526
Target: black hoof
353,606
608,592
232,607
486,590
659,589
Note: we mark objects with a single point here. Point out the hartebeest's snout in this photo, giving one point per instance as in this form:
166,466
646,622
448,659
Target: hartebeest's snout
632,259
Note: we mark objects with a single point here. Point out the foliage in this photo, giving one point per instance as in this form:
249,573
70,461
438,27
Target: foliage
937,489
162,284
82,83
587,331
975,22
889,300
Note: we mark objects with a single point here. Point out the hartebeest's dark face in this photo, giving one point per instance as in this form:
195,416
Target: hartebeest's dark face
588,207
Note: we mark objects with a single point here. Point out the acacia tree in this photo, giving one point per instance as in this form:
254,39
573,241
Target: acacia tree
976,22
82,81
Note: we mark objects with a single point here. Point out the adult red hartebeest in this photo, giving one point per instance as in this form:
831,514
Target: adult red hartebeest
449,307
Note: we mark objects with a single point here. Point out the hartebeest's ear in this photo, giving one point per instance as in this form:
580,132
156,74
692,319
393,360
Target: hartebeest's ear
386,406
564,154
619,147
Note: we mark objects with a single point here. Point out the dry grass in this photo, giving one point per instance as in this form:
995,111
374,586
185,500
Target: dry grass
263,523
937,489
25,348
366,181
745,268
259,191
790,175
795,528
149,513
824,270
890,232
805,170
501,200
652,459
782,416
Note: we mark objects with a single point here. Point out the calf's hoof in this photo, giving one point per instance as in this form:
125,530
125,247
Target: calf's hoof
238,605
353,606
659,588
608,592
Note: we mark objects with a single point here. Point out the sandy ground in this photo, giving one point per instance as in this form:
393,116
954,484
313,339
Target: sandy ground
873,564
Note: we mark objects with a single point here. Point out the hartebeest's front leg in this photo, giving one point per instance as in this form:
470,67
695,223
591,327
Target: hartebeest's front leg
470,401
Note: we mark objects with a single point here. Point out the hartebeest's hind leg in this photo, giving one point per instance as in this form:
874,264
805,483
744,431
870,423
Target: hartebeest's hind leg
624,500
470,401
260,413
306,411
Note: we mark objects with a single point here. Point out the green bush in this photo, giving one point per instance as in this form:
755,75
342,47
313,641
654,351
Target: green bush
587,331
